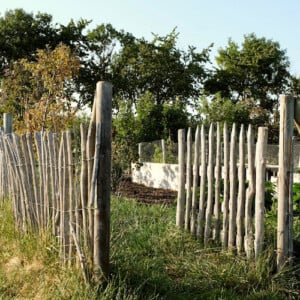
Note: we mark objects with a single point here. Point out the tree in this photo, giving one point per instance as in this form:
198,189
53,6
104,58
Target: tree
35,91
160,68
222,110
22,34
258,70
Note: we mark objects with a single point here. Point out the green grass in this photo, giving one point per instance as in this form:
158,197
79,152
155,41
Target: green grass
150,258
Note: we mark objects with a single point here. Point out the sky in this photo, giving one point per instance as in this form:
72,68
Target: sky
198,22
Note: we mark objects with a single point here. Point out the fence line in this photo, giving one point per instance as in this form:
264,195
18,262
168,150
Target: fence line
41,178
232,225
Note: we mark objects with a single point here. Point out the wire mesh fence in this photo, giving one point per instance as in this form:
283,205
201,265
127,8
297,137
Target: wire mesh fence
161,151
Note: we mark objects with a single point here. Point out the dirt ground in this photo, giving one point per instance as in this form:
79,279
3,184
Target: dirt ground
148,195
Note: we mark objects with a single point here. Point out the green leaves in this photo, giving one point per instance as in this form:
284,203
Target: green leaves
258,70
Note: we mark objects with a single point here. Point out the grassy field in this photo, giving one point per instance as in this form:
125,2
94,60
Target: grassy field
150,258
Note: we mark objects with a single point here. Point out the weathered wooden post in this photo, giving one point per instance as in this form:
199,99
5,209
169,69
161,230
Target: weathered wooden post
232,190
285,142
210,185
102,203
181,179
226,188
7,123
240,224
218,169
250,193
260,162
201,214
195,181
188,180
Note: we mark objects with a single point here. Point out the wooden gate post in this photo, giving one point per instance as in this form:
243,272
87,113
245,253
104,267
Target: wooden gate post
102,203
285,142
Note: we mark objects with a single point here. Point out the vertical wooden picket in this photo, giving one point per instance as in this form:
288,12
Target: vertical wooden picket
195,182
240,224
181,177
188,179
210,186
217,207
201,214
233,196
260,162
226,188
250,193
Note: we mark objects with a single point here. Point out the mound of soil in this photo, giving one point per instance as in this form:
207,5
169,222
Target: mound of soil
144,194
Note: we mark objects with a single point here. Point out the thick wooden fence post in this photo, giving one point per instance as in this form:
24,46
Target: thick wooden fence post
285,142
181,179
102,205
260,158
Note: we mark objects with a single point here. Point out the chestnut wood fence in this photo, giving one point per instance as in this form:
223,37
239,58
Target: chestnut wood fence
221,190
56,182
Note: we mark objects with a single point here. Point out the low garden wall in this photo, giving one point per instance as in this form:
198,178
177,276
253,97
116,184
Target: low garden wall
155,175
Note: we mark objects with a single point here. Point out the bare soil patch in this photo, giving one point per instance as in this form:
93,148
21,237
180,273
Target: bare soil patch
144,194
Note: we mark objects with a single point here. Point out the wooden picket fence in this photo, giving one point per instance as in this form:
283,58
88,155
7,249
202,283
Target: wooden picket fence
219,211
221,186
55,185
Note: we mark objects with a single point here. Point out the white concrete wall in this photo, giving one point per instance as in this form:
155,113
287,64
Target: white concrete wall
156,175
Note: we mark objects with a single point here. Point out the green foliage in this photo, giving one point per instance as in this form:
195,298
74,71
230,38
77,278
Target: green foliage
35,91
159,67
257,72
150,122
150,257
296,197
222,110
